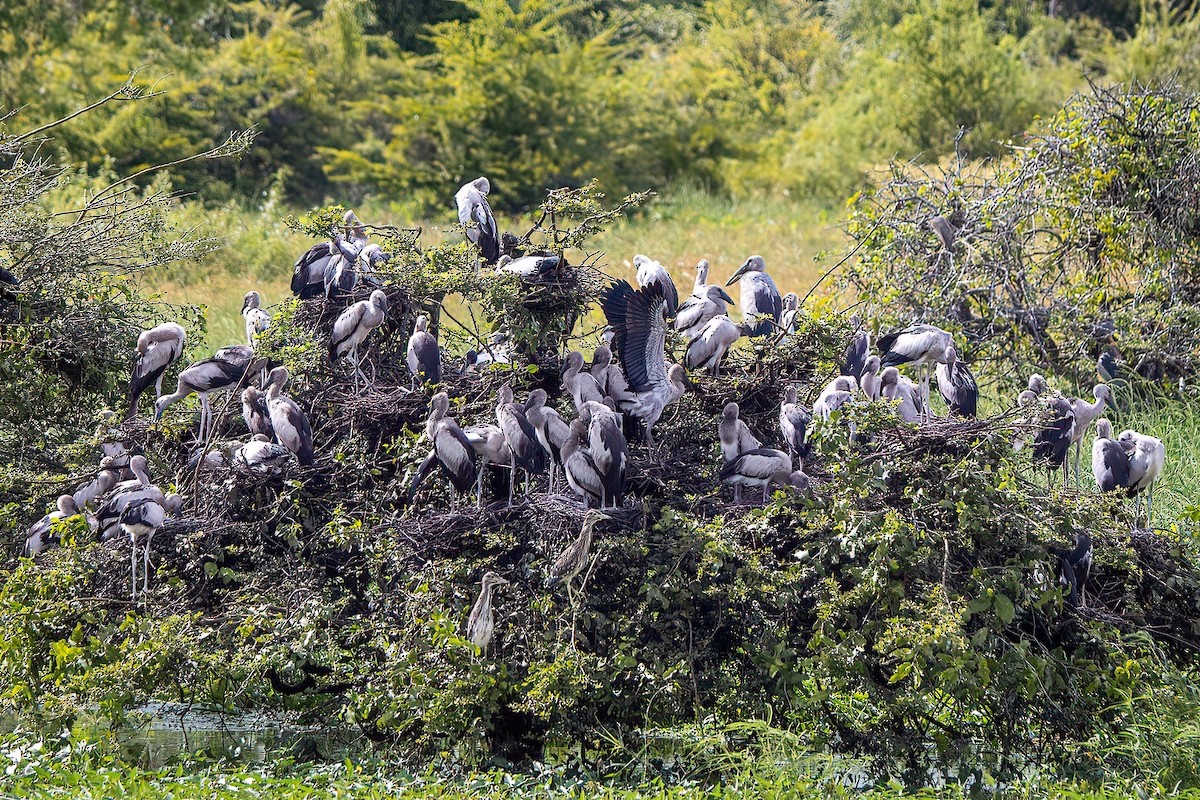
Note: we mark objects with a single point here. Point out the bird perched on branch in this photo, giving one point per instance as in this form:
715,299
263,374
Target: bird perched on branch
638,318
261,456
1074,567
88,493
552,430
257,319
476,217
910,405
1110,464
1147,456
424,358
650,272
41,536
699,310
308,273
762,305
580,384
289,420
108,513
481,624
351,329
791,309
709,347
920,345
608,449
609,378
157,349
762,467
525,451
210,375
575,557
1085,413
579,467
341,272
734,434
452,450
957,386
870,381
140,520
837,393
256,413
854,359
794,420
1052,442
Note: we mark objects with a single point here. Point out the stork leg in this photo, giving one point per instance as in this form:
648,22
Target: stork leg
205,415
737,493
146,564
158,386
1149,504
1078,451
512,480
133,567
479,484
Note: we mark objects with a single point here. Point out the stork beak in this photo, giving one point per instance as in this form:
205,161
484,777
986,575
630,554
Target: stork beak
737,274
245,303
725,295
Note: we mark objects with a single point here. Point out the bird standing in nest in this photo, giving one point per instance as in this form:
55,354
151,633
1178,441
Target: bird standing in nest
573,559
481,624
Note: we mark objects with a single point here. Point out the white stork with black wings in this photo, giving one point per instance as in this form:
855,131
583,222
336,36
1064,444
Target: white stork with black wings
210,375
476,216
650,271
157,349
638,319
922,346
308,273
762,305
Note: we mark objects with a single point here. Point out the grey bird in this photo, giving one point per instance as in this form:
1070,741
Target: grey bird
423,357
762,305
794,421
257,319
491,449
712,343
608,448
958,388
523,446
261,456
1147,457
552,430
288,419
920,345
578,383
140,520
256,413
157,349
452,450
40,535
734,434
854,359
1110,463
791,309
1085,413
762,467
650,272
698,310
210,375
351,329
476,217
482,624
575,557
579,467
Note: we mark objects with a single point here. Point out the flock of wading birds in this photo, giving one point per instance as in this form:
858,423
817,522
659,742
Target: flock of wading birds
629,382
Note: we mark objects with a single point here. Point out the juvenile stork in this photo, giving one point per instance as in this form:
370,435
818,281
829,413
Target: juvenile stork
476,217
210,375
579,468
608,449
308,273
525,451
157,349
481,624
712,343
609,379
41,533
1147,456
650,272
870,380
638,319
552,430
699,309
140,520
531,269
575,557
108,515
288,419
1052,442
261,456
762,467
735,435
837,393
452,450
424,358
761,304
854,359
1110,464
794,420
581,385
910,405
341,272
791,308
257,319
958,388
920,345
1074,567
351,329
1085,413
256,413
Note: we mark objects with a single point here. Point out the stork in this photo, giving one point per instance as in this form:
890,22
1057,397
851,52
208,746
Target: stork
341,272
958,388
579,467
734,434
424,358
141,519
87,494
261,456
476,217
575,557
581,385
699,309
920,345
1110,464
711,344
1074,566
308,273
490,448
288,419
41,534
608,449
794,420
256,413
552,430
760,297
650,272
1147,456
609,379
353,326
523,446
791,308
638,318
157,349
257,319
1052,442
452,450
108,515
481,624
531,269
1085,413
910,405
854,359
762,467
870,381
837,393
210,375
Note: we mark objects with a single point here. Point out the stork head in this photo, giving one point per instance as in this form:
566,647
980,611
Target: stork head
172,503
350,222
872,365
482,185
751,264
574,362
789,393
379,300
504,394
251,300
278,377
677,375
1101,391
640,260
1038,384
536,399
160,405
66,505
579,427
601,357
105,480
250,395
847,383
440,404
791,301
503,262
491,579
1128,441
889,377
731,411
1027,397
608,334
702,271
139,467
951,356
718,295
1103,429
422,324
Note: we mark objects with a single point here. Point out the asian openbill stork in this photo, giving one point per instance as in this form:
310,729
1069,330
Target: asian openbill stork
210,375
523,446
531,269
308,273
609,378
920,345
257,319
579,468
608,448
580,384
1147,456
1052,442
476,217
491,449
854,359
140,520
1074,566
837,393
791,308
575,557
699,309
341,272
351,329
1085,414
794,420
481,624
734,434
1110,463
157,349
762,467
650,272
760,297
288,419
423,357
712,343
552,430
870,380
910,405
261,456
452,451
958,388
108,515
638,318
256,413
87,494
41,533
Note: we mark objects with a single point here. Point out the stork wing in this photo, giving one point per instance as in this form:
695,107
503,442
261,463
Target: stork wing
640,324
489,237
310,263
854,360
347,322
